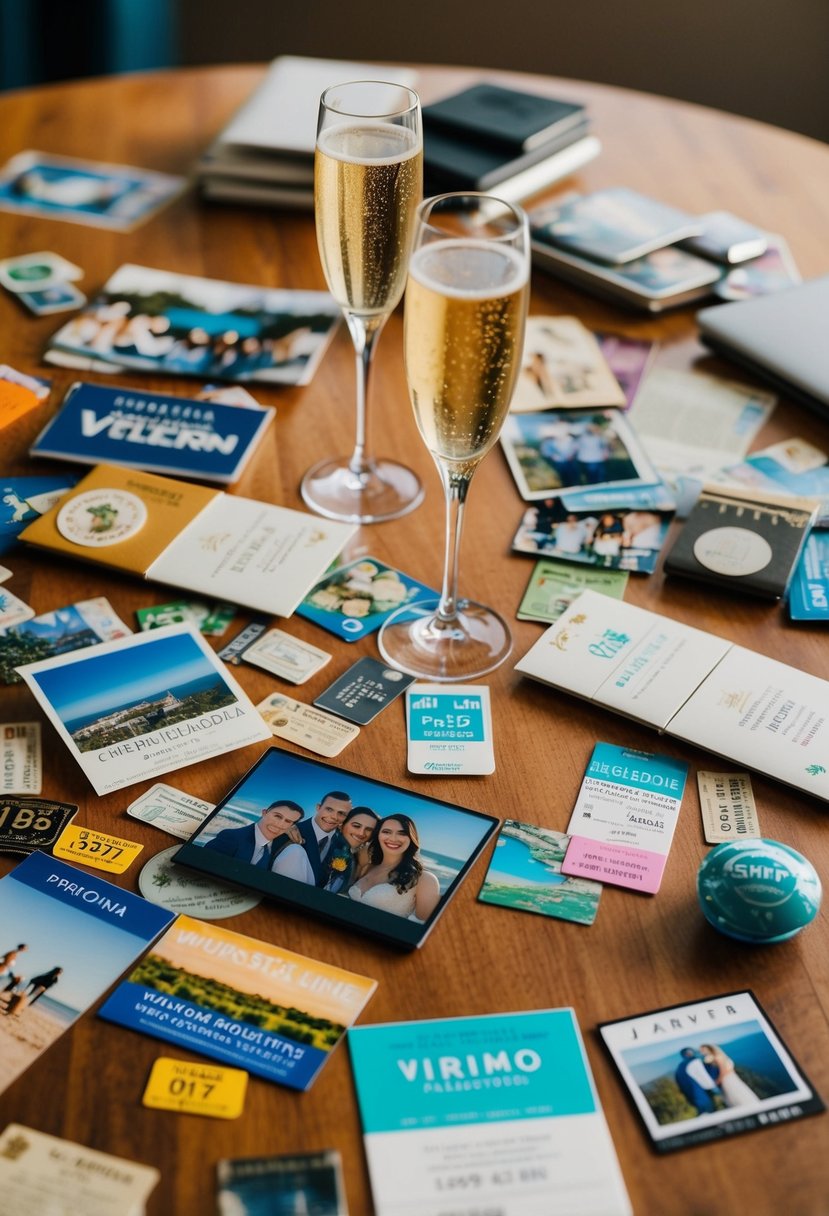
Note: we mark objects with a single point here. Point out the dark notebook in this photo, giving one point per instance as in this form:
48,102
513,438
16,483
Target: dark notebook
457,163
747,542
515,120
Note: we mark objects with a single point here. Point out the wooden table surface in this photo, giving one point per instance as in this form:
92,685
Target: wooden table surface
642,952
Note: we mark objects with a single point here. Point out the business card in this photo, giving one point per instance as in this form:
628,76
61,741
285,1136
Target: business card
170,810
27,824
21,771
96,849
624,818
296,722
449,731
361,692
196,1089
40,1174
286,656
726,801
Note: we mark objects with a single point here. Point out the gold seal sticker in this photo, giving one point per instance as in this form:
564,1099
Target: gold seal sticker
101,517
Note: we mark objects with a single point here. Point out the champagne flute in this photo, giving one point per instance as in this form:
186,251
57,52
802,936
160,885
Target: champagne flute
466,305
368,181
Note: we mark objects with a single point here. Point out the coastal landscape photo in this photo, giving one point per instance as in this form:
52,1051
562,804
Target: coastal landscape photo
525,874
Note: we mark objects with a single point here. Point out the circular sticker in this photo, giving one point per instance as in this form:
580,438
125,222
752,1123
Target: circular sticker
101,517
181,890
732,551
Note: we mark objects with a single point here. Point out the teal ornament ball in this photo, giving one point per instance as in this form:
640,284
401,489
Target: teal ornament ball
758,890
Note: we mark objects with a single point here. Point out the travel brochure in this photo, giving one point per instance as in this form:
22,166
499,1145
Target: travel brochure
68,937
143,706
505,1102
219,545
180,325
257,1006
707,1069
326,847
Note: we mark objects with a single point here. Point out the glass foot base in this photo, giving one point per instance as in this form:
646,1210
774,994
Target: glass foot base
386,491
417,641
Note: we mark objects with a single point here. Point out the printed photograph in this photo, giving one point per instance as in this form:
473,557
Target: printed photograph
174,324
612,539
713,1065
525,874
108,196
356,599
72,628
563,366
353,849
551,452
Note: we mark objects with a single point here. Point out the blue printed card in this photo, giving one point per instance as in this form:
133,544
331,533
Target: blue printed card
809,588
357,598
22,499
449,730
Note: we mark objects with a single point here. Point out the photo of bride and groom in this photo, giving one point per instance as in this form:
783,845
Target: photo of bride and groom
358,850
709,1080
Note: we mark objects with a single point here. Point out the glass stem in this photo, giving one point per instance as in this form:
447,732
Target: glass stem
456,488
364,334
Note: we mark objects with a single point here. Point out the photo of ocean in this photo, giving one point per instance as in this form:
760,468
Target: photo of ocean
525,874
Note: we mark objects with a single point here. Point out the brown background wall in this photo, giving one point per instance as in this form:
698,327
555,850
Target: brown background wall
769,62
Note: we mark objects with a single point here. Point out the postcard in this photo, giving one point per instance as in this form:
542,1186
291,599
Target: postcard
40,1173
87,623
85,192
180,325
27,824
449,731
196,1089
18,496
554,585
505,1101
613,539
219,545
97,424
22,758
251,839
563,367
170,810
243,1002
525,874
271,1186
707,1069
357,598
68,937
809,588
143,706
19,394
623,822
551,452
185,892
629,359
693,424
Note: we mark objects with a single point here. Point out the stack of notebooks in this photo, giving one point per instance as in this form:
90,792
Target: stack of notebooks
511,143
266,152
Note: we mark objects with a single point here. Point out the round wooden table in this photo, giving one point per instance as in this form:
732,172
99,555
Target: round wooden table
642,952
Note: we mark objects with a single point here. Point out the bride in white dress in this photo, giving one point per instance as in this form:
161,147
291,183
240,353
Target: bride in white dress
734,1089
396,881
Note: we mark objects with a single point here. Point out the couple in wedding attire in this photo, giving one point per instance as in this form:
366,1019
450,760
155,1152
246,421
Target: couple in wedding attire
346,850
708,1072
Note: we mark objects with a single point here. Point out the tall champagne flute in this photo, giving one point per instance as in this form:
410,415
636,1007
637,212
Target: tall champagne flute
466,305
368,181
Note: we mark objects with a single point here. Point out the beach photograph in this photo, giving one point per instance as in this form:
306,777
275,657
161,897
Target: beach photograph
525,874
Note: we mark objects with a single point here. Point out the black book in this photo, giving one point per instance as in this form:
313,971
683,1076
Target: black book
508,118
747,542
453,162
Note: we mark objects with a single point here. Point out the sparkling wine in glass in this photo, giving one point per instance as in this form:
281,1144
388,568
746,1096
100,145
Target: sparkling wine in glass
368,182
466,307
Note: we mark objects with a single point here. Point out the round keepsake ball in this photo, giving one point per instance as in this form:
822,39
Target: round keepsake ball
758,890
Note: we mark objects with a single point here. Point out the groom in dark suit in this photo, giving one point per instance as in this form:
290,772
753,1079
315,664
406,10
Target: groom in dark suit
253,842
306,862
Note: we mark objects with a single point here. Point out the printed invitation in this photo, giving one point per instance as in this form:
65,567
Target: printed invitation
67,937
496,1113
624,818
707,1069
241,1001
144,705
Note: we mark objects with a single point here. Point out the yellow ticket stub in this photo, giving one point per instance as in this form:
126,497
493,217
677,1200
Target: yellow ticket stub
96,849
196,1089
